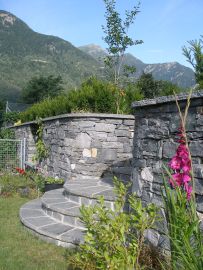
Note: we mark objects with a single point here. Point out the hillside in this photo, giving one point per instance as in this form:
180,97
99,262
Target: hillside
25,53
173,72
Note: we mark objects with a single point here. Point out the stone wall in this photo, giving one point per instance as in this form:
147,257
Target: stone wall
155,141
84,145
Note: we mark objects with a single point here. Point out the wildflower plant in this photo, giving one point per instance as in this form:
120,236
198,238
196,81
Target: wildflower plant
186,239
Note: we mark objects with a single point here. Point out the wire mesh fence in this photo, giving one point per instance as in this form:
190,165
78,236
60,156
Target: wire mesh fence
12,154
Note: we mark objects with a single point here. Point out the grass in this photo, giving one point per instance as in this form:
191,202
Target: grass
19,249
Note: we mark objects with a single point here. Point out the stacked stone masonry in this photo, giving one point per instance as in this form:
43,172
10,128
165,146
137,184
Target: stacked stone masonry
93,146
155,142
84,146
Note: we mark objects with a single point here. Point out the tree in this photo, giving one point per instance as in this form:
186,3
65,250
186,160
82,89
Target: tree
117,38
39,88
152,88
147,85
194,55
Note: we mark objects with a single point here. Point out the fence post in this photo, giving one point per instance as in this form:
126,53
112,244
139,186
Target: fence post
24,152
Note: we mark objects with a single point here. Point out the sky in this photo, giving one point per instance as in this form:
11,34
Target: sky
165,26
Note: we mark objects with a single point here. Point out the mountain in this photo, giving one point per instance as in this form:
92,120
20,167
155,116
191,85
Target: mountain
174,72
25,53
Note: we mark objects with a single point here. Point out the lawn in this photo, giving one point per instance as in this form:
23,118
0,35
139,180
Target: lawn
19,249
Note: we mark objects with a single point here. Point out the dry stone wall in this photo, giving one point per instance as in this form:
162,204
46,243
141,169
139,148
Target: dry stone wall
155,142
84,145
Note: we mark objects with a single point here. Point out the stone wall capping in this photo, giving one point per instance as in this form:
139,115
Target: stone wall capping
165,99
82,115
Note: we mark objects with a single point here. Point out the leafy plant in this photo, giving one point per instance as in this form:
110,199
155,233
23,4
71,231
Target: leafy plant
39,88
11,117
53,180
118,40
114,238
12,183
42,151
185,235
194,55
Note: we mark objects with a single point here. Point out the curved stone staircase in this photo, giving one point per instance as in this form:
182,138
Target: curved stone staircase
55,216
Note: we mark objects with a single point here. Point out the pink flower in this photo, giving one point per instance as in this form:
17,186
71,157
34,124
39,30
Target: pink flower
182,151
188,189
181,166
185,178
186,168
175,163
176,180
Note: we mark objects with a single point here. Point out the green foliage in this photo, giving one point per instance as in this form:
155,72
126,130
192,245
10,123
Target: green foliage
54,180
100,97
117,39
7,133
46,108
93,96
25,53
114,239
40,88
42,151
19,248
152,88
14,183
39,181
194,55
184,231
11,117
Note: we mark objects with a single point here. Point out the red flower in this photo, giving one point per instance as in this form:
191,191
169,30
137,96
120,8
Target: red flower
21,171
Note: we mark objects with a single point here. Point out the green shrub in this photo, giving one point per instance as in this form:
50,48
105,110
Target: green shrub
12,183
114,239
48,107
93,96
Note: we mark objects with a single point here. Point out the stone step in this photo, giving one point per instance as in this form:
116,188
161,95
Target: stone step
55,217
59,207
49,228
87,192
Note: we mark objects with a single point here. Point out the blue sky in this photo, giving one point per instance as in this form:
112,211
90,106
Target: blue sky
164,25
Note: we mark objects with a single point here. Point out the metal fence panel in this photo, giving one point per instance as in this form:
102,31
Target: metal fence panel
12,154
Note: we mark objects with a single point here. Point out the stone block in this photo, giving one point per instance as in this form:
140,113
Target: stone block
152,236
105,127
199,200
122,170
129,122
140,163
111,139
122,133
69,142
108,154
83,140
94,152
198,170
199,186
86,153
146,174
169,149
196,148
112,145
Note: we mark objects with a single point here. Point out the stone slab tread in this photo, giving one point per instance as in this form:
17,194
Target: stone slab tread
90,189
33,217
